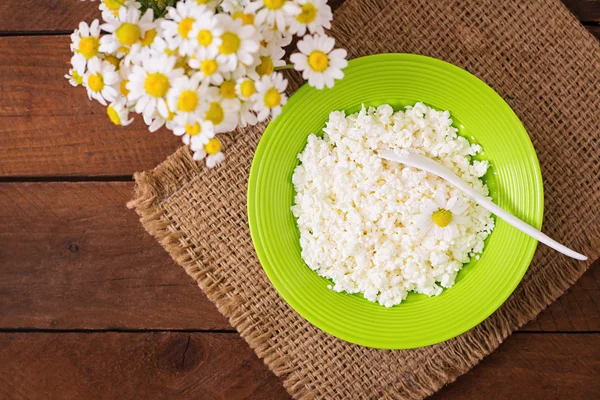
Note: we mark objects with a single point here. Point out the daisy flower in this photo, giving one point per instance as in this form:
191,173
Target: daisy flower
222,116
124,72
319,63
234,6
111,58
268,58
187,99
245,88
100,80
209,66
156,121
151,39
75,79
196,133
272,36
150,82
270,96
207,31
110,8
247,115
212,152
227,94
209,4
178,26
275,13
118,113
441,217
314,15
238,42
85,44
126,30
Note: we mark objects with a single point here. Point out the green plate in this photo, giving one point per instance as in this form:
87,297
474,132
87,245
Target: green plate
482,286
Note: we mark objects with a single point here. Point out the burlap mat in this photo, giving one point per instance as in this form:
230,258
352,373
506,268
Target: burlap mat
538,57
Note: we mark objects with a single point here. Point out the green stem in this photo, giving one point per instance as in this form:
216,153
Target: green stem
287,66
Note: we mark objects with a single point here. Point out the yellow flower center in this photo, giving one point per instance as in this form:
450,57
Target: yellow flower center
228,90
157,84
274,4
96,82
266,66
247,88
201,2
247,19
171,115
185,26
149,37
77,78
192,129
230,43
272,98
123,49
113,115
208,67
204,37
123,87
213,146
188,101
113,5
114,60
318,61
88,47
128,33
308,14
215,113
442,217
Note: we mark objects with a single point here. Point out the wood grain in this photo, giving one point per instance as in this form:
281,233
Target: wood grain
222,366
55,15
534,366
64,15
585,10
132,366
576,310
48,128
72,256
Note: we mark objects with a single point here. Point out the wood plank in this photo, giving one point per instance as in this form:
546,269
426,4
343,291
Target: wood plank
47,15
576,310
594,30
55,15
132,366
72,256
64,15
534,366
585,10
49,128
222,366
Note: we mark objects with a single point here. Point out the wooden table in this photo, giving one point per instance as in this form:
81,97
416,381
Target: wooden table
92,307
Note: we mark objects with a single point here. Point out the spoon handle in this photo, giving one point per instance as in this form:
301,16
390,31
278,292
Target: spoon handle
431,166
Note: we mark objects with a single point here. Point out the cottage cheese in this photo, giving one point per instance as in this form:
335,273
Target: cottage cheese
366,223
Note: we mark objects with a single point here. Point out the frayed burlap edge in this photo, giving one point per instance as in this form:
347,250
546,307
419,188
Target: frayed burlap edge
428,375
531,297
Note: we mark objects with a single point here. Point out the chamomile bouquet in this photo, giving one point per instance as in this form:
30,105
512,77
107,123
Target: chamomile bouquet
201,67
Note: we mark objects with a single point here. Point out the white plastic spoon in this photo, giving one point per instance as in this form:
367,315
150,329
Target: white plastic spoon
431,166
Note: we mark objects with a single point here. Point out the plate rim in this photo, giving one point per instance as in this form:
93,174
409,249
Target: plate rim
252,215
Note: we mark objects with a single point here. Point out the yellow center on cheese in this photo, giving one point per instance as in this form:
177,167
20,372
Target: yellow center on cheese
442,217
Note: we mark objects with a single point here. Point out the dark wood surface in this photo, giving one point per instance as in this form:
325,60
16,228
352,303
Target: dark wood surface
92,307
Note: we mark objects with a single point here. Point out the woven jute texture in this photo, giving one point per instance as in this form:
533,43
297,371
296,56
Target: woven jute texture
546,66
